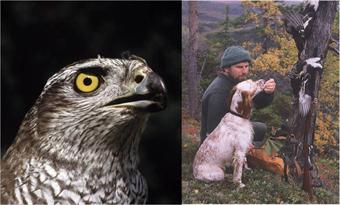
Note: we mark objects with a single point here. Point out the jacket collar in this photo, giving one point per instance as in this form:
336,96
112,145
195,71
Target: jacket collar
229,79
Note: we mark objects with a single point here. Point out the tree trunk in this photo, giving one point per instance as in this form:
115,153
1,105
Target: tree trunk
192,75
227,40
315,44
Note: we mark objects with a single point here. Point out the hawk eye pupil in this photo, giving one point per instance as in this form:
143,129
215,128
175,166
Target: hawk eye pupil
87,81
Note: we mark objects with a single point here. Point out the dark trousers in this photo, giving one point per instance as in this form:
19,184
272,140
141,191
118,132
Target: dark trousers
259,134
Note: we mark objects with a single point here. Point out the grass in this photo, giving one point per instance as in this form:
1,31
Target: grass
261,186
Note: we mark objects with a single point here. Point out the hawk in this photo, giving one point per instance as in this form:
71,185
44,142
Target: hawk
79,143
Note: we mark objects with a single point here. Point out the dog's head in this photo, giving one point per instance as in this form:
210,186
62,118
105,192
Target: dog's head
241,96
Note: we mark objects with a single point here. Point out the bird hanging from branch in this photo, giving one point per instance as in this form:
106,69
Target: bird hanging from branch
302,81
79,143
302,75
307,76
299,24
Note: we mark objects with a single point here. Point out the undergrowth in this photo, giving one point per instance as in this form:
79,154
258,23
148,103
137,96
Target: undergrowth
261,186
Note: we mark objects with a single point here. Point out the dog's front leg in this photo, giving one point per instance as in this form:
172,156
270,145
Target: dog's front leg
245,164
238,162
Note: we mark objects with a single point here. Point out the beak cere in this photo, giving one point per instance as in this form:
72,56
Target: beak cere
149,95
153,89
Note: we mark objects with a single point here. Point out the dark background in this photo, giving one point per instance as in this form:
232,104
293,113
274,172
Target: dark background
39,38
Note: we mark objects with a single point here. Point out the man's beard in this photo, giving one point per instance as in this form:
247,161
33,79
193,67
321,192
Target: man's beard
240,78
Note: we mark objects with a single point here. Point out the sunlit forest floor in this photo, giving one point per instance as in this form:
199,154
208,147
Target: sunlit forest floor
261,186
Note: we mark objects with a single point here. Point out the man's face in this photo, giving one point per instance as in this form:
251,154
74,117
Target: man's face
237,71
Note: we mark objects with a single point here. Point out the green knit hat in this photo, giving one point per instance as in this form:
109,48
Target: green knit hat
234,55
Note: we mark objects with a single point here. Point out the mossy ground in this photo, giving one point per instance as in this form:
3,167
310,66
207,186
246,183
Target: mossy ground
261,186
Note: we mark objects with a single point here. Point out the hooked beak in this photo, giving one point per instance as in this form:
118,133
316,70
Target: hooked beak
149,95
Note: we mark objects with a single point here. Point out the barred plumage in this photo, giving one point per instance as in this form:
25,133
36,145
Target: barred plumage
79,143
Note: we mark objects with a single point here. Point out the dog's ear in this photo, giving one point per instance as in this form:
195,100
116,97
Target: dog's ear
230,98
244,106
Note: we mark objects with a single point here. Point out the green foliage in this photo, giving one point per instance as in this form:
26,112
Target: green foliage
290,7
205,83
238,21
323,194
272,146
324,132
276,51
275,114
281,104
280,56
267,115
334,163
210,65
335,28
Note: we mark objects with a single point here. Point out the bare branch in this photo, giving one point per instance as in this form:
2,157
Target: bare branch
334,49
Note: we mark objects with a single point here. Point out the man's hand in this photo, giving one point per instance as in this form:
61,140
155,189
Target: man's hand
269,86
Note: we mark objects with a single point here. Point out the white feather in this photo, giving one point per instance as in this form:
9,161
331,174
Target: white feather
55,186
63,176
33,182
48,196
38,193
306,23
314,3
50,171
71,195
26,194
42,177
313,62
305,101
17,190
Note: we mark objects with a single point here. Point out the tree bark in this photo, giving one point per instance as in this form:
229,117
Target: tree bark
302,128
227,39
192,75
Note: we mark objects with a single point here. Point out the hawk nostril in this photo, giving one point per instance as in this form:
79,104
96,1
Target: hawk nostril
139,78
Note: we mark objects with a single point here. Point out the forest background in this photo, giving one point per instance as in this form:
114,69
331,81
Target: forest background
258,26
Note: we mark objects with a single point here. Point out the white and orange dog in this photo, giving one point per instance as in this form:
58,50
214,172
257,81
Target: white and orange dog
230,140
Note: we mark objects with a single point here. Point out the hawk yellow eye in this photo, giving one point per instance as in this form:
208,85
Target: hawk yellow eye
86,82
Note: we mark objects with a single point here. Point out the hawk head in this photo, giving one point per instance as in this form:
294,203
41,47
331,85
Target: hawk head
92,108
